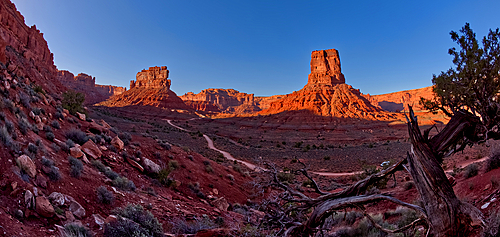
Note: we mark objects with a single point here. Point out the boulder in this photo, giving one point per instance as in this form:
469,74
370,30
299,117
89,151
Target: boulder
135,165
91,149
220,203
41,181
77,209
76,152
32,115
150,166
58,199
29,199
43,207
117,143
27,165
81,116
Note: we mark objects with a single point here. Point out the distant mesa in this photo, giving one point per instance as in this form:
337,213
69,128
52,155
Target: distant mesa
84,83
226,101
151,87
395,102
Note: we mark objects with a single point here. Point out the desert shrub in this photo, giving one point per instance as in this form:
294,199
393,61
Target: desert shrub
173,164
58,115
493,161
104,195
230,177
471,170
75,230
32,148
55,147
124,183
52,171
409,185
133,220
2,116
36,111
9,126
23,125
38,89
76,167
138,154
165,145
25,100
181,226
286,177
9,104
495,181
107,138
55,124
5,136
98,165
50,136
76,136
108,172
73,102
47,128
209,169
157,155
125,137
162,176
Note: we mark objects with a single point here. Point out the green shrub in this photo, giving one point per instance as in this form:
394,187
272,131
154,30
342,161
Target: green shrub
173,164
104,195
471,170
73,102
50,136
75,230
286,177
124,184
55,124
23,125
5,136
76,167
25,100
133,220
52,171
76,136
181,226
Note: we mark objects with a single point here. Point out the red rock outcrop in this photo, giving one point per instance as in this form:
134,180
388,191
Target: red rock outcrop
84,83
325,68
397,101
154,77
151,88
224,100
326,93
24,50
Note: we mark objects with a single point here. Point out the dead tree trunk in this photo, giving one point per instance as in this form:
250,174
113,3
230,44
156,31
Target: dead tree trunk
447,215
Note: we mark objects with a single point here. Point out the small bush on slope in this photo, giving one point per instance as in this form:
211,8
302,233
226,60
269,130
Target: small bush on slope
134,221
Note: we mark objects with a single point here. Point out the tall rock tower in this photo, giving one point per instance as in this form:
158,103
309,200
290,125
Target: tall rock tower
325,68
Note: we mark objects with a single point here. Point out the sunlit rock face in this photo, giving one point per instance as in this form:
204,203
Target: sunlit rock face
153,78
325,68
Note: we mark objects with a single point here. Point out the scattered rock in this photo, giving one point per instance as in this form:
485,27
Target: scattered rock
103,148
99,220
110,218
41,181
77,209
117,143
221,204
13,185
27,165
216,192
29,199
104,124
135,165
32,115
38,119
91,149
150,166
76,152
69,216
43,207
81,116
58,199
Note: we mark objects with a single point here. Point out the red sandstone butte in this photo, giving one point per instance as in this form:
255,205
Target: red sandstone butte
151,87
84,83
227,101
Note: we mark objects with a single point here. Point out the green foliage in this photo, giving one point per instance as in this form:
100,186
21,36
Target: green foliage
75,230
76,136
286,177
73,102
104,195
124,183
472,84
471,170
76,167
134,221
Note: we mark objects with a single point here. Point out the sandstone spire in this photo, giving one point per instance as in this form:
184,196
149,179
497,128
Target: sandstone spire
325,68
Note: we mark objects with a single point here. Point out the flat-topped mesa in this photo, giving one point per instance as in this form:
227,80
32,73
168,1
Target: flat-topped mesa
153,78
325,68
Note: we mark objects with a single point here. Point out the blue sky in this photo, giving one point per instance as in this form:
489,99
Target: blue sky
262,46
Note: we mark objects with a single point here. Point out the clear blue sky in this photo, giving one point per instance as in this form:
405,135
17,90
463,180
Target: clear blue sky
261,47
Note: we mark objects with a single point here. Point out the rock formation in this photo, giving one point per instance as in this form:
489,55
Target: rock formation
395,102
325,68
84,83
154,77
24,50
152,88
326,93
221,100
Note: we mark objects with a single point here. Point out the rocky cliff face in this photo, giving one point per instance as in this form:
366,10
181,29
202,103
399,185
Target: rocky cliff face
225,100
397,101
153,78
24,50
86,84
152,88
326,93
325,68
